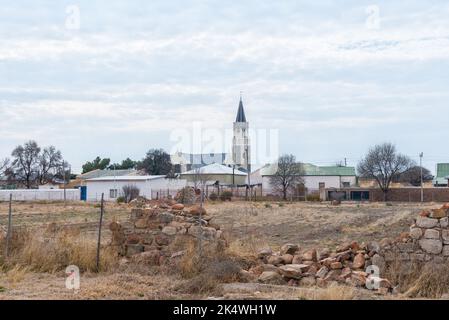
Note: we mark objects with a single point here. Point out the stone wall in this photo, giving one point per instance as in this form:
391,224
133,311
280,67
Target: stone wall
428,239
153,226
355,264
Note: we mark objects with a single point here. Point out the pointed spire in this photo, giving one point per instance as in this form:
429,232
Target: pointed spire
241,113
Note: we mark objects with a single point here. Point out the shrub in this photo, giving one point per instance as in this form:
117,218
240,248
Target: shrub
186,195
206,269
121,200
213,197
130,193
314,197
226,196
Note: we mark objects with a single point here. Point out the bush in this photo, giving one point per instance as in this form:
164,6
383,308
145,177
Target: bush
314,197
121,200
213,197
207,269
226,196
186,195
130,193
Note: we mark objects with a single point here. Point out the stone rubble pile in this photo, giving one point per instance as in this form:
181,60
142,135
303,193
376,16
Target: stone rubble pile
153,225
293,266
427,241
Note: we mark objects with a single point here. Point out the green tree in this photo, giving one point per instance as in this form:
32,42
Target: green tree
98,163
126,164
156,162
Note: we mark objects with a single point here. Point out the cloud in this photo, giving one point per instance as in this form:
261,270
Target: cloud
136,71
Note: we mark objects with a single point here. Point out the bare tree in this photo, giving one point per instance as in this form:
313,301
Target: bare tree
4,166
25,163
412,176
50,162
32,166
288,176
383,163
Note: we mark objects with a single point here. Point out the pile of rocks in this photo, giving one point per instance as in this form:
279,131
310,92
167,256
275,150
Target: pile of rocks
153,225
347,264
427,241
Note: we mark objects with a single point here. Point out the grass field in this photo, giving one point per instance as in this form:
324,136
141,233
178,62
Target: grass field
248,227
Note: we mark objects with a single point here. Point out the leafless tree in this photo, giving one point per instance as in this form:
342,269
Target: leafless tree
50,162
288,176
32,166
412,176
383,163
25,163
4,166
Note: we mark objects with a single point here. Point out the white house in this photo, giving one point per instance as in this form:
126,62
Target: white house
214,172
149,186
314,177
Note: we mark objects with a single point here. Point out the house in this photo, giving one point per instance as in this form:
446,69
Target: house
315,177
188,161
150,187
441,178
215,173
98,173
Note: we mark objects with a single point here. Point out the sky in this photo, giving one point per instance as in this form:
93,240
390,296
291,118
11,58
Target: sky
117,78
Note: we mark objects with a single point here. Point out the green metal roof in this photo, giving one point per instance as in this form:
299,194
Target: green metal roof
442,173
312,170
442,170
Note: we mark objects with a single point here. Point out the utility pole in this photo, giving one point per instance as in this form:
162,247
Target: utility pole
420,166
65,182
346,164
248,168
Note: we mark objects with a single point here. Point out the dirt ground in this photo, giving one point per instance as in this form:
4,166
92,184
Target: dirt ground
259,224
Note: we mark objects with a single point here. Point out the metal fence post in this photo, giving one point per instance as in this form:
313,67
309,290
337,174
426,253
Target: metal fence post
8,236
99,232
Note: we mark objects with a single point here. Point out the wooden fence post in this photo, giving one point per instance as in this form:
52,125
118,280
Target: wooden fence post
99,232
8,236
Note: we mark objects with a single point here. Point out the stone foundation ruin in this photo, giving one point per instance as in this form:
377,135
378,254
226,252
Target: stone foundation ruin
153,226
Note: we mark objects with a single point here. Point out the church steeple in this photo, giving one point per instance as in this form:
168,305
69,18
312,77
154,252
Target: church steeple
241,112
241,154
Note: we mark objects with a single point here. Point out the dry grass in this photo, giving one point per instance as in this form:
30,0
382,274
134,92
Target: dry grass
333,292
419,280
431,282
208,267
42,253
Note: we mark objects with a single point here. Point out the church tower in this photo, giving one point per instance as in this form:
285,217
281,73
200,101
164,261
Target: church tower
241,151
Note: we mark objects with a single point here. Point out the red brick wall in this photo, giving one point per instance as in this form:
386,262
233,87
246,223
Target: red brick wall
412,195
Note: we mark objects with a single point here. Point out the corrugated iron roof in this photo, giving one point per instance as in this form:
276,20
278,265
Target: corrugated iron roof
442,173
214,169
107,173
126,178
312,170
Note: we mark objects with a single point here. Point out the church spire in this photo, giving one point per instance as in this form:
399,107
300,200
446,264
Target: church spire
241,113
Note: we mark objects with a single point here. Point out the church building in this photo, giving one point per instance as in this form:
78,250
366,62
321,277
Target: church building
239,158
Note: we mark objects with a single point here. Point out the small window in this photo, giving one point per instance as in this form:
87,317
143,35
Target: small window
113,193
346,184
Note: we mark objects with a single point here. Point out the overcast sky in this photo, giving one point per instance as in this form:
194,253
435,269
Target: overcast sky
334,79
